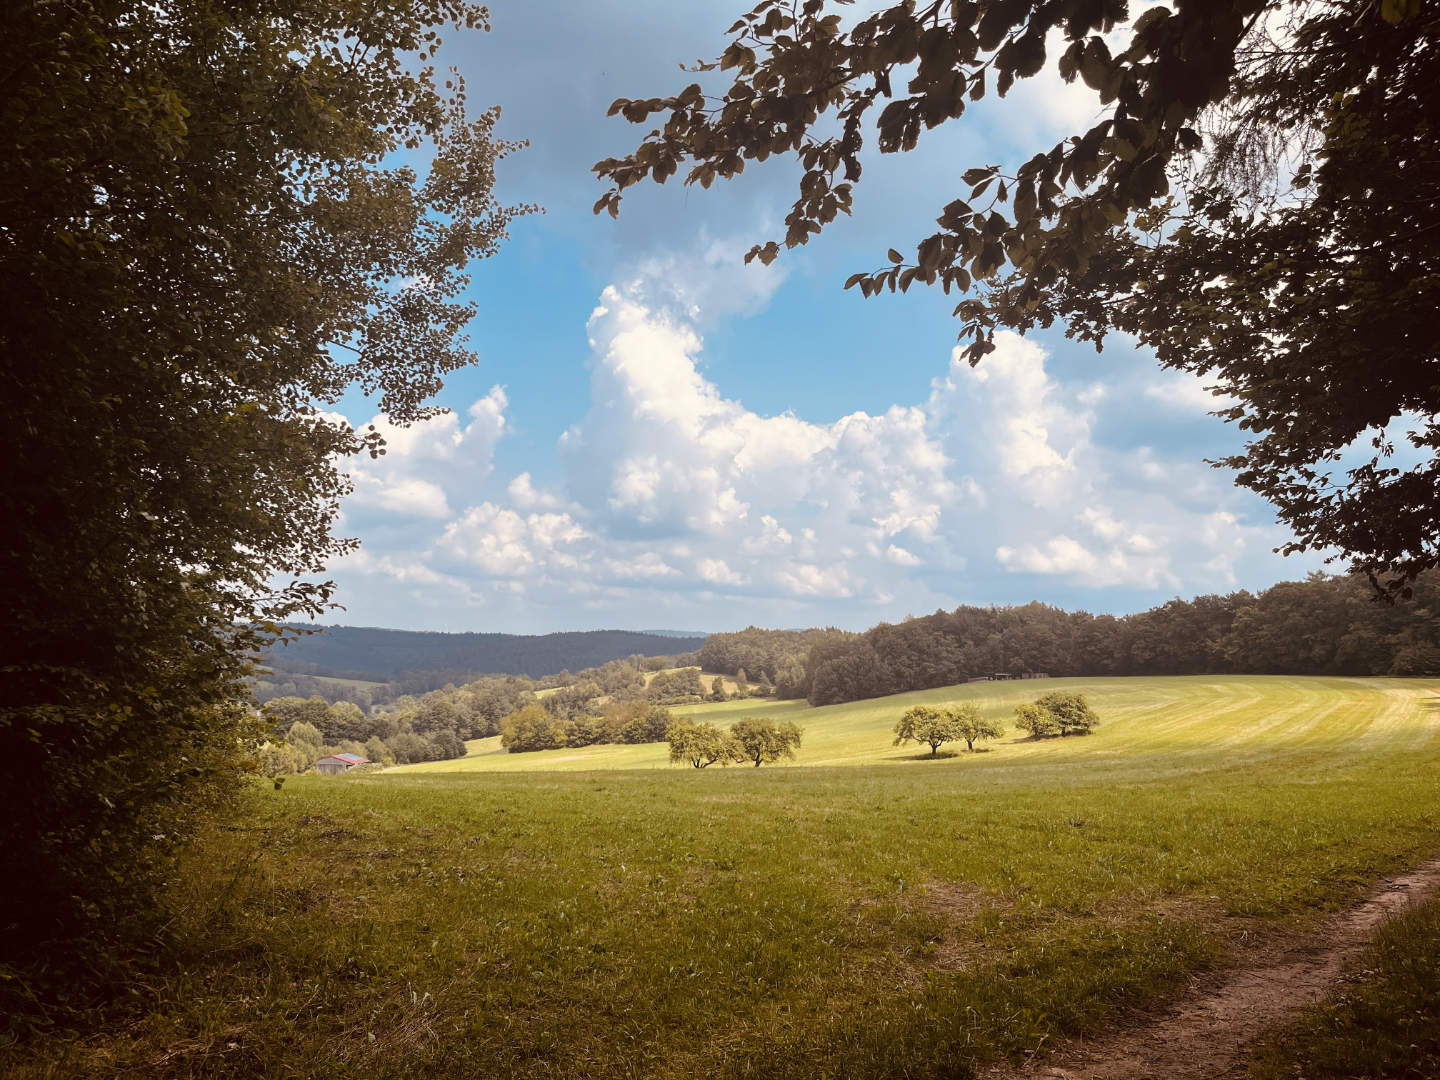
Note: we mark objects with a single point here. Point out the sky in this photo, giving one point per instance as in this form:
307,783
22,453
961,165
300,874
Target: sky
657,436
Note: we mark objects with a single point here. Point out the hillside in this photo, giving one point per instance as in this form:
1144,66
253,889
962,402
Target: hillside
379,655
1212,716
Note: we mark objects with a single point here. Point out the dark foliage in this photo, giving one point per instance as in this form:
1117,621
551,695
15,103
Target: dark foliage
412,658
205,238
1321,626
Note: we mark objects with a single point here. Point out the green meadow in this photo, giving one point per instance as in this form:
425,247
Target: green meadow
1182,720
863,912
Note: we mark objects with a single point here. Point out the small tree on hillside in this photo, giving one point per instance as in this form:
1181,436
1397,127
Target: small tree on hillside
763,740
702,744
971,724
927,724
1057,714
1071,712
717,689
742,684
1037,721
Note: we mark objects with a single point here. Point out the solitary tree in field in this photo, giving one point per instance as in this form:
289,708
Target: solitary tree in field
702,745
973,725
1071,711
927,724
1057,714
763,740
1037,721
717,689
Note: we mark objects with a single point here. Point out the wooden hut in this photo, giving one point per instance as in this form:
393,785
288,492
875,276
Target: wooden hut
339,763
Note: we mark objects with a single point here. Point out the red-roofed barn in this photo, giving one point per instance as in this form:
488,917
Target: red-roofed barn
339,763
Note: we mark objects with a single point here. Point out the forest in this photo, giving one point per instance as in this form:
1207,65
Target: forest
421,661
1324,625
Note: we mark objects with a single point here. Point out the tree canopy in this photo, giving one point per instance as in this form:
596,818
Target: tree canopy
972,725
702,745
1057,713
928,724
1259,202
762,740
210,228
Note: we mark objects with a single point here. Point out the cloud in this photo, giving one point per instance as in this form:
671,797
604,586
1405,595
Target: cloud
664,454
679,498
1066,557
718,572
424,463
1180,391
504,543
1032,433
526,496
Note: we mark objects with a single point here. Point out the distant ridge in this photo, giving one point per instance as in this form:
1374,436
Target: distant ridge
701,634
380,655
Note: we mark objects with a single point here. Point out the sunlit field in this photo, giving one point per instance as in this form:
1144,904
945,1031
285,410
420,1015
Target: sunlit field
1187,720
598,913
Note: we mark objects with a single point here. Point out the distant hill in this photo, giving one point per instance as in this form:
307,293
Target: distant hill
378,655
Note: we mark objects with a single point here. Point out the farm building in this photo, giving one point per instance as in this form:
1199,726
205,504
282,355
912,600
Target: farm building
339,763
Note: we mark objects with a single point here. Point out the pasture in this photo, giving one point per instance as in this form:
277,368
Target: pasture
594,914
1164,723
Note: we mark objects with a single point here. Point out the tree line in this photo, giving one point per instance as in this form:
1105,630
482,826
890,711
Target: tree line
1323,625
417,661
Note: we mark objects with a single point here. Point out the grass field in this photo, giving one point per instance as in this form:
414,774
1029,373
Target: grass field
586,915
1183,720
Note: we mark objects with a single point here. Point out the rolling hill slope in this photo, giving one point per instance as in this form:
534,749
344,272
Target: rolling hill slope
1207,719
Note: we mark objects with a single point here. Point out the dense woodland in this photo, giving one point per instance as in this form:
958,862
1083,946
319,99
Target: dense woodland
1323,625
414,658
371,666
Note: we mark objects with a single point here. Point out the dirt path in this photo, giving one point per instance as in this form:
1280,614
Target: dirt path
1208,1034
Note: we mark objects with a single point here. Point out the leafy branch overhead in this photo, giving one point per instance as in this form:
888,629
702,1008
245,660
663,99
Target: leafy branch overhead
1258,202
917,69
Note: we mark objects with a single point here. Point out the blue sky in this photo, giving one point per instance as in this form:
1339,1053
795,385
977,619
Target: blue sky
659,437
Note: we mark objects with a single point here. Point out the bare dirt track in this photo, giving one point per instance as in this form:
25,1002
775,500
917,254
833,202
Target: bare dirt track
1208,1033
